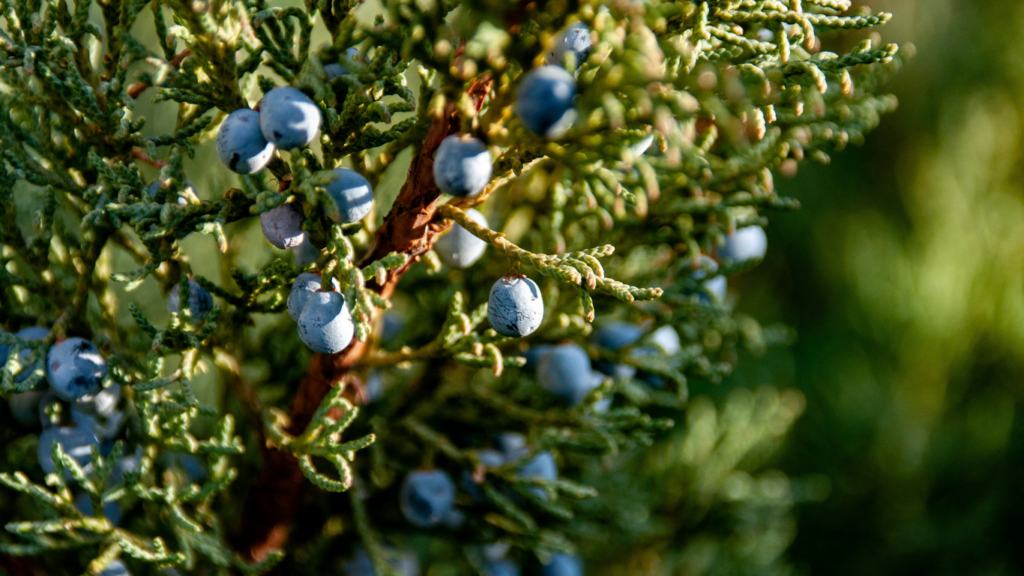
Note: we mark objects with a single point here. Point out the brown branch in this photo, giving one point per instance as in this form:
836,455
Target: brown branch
409,228
136,90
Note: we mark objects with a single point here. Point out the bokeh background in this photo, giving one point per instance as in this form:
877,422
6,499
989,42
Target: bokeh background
902,274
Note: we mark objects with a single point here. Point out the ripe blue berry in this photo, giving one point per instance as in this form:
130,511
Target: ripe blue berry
325,324
544,101
515,307
640,147
115,568
103,403
458,248
617,335
30,333
351,196
305,253
282,226
200,302
75,368
462,166
304,285
533,356
502,568
427,497
240,143
25,407
105,427
748,243
512,444
403,563
288,118
76,443
111,510
565,372
490,459
333,70
667,339
541,466
563,565
713,286
573,40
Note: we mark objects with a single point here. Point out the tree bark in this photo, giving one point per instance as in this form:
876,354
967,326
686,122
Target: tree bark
409,228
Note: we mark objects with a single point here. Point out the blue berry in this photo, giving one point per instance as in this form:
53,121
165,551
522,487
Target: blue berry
30,333
512,444
282,226
640,147
288,118
533,356
155,187
515,307
458,248
76,443
75,368
351,196
489,458
304,285
325,324
667,339
617,335
573,40
563,565
544,101
103,403
111,510
540,466
200,302
462,166
240,143
427,497
713,286
502,568
115,568
105,427
402,563
565,372
333,70
748,243
25,407
305,253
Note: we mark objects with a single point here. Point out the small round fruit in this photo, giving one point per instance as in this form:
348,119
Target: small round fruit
462,166
76,443
515,307
502,568
325,324
115,568
240,143
617,335
304,285
427,497
544,101
288,118
103,403
540,466
31,333
490,459
563,565
333,70
458,248
282,226
667,339
305,253
111,510
575,39
402,562
713,286
105,427
748,243
75,368
351,196
25,407
717,288
200,302
565,372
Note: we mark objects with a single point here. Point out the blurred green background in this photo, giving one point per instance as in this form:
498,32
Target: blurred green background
902,274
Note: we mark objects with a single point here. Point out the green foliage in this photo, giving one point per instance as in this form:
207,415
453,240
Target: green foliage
730,91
